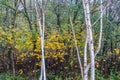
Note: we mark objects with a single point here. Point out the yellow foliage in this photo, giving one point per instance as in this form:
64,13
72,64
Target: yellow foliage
97,65
65,67
38,45
56,44
71,63
119,57
23,55
28,42
18,47
117,51
9,37
38,56
61,60
11,42
31,46
37,50
38,63
35,70
20,71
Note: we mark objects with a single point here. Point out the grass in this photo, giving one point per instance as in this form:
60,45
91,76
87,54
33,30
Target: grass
112,76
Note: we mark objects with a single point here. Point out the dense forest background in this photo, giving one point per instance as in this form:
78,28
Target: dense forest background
49,37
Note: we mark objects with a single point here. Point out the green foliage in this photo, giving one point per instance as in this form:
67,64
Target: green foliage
53,77
8,76
70,77
99,76
112,76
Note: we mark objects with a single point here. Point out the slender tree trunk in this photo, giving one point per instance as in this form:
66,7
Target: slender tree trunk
30,10
78,55
41,23
85,61
26,14
101,27
7,17
13,65
42,44
76,46
14,14
90,37
58,15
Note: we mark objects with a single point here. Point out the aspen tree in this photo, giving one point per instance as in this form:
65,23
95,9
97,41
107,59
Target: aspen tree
89,38
89,41
75,42
41,24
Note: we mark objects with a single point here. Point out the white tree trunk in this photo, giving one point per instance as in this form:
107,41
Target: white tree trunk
42,27
85,61
90,37
78,55
101,27
76,46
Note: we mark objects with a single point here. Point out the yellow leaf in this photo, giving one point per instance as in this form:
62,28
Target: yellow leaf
71,62
117,51
20,71
9,37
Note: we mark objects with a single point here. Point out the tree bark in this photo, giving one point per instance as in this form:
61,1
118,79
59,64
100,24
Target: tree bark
90,37
75,42
26,14
13,65
101,27
41,23
7,17
85,61
76,46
